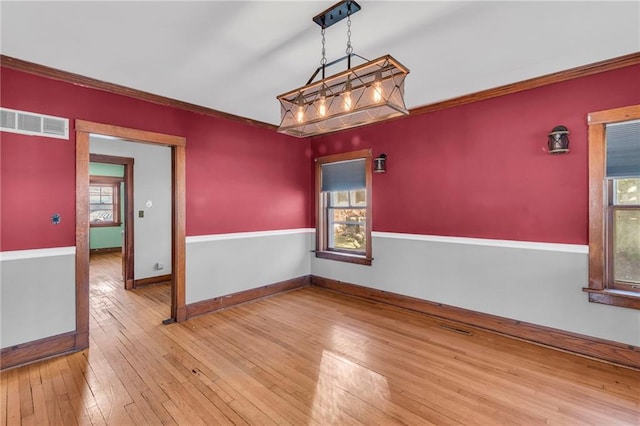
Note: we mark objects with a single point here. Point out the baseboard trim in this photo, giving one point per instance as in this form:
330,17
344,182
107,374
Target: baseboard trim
105,250
152,280
591,347
223,302
38,350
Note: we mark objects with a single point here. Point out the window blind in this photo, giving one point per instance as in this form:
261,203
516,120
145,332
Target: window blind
344,175
623,149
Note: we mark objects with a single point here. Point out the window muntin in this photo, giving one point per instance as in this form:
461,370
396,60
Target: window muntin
104,201
626,192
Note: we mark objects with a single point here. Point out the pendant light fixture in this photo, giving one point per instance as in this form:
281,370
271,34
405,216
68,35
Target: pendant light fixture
363,94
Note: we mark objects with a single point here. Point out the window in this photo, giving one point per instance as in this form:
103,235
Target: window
343,194
104,201
614,207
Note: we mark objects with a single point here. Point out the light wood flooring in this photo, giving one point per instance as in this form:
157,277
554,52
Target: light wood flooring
307,357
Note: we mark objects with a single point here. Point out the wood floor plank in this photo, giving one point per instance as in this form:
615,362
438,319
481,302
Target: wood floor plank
74,386
39,405
13,397
3,399
78,363
26,401
182,413
111,395
48,374
309,356
135,387
211,392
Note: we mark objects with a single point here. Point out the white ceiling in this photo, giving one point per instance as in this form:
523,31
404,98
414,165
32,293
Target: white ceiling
237,56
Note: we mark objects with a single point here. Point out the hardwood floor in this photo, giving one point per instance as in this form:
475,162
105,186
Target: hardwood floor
307,357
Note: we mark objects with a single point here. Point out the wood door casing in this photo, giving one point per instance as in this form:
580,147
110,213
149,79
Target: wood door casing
177,144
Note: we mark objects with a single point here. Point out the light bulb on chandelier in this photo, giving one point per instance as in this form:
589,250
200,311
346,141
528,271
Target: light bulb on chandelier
346,96
300,108
322,103
377,88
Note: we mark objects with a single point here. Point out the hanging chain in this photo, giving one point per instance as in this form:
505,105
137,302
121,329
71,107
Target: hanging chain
349,50
323,61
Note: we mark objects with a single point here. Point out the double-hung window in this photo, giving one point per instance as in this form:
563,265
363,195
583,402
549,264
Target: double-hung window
614,207
343,194
104,201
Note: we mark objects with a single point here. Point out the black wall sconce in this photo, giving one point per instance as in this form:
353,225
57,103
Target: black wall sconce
558,140
380,164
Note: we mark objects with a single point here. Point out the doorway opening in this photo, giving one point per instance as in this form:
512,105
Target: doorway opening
177,144
121,231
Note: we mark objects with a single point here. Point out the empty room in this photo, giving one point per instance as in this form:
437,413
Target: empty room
320,212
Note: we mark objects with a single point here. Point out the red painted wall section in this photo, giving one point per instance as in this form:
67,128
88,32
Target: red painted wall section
482,169
245,179
37,180
238,177
478,170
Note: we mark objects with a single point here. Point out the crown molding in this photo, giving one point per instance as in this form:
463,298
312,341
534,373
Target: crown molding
92,83
532,83
557,77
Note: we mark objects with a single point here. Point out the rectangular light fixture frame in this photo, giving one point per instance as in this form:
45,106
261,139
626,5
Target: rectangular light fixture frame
364,94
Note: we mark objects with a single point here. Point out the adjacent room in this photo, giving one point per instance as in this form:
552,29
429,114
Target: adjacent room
320,212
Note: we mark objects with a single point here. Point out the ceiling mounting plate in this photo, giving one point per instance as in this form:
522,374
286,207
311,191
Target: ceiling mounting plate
336,13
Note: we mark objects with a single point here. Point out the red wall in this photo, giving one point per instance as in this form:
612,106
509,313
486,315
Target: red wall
238,177
482,170
479,170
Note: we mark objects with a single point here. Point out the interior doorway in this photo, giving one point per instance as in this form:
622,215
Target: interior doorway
128,239
177,144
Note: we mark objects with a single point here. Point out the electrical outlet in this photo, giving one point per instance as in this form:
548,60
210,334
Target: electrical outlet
140,213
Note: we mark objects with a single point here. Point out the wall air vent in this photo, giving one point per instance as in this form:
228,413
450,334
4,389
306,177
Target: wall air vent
30,123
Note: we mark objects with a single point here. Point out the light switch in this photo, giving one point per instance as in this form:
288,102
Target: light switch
140,213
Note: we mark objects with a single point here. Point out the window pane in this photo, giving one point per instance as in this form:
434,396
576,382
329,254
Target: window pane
627,191
101,207
626,250
349,215
102,213
340,199
349,237
359,197
349,229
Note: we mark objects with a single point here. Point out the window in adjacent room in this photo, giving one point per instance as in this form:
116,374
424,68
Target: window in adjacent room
614,207
104,201
343,194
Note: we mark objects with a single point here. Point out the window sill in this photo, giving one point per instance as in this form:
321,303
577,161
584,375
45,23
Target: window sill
621,298
344,257
105,225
